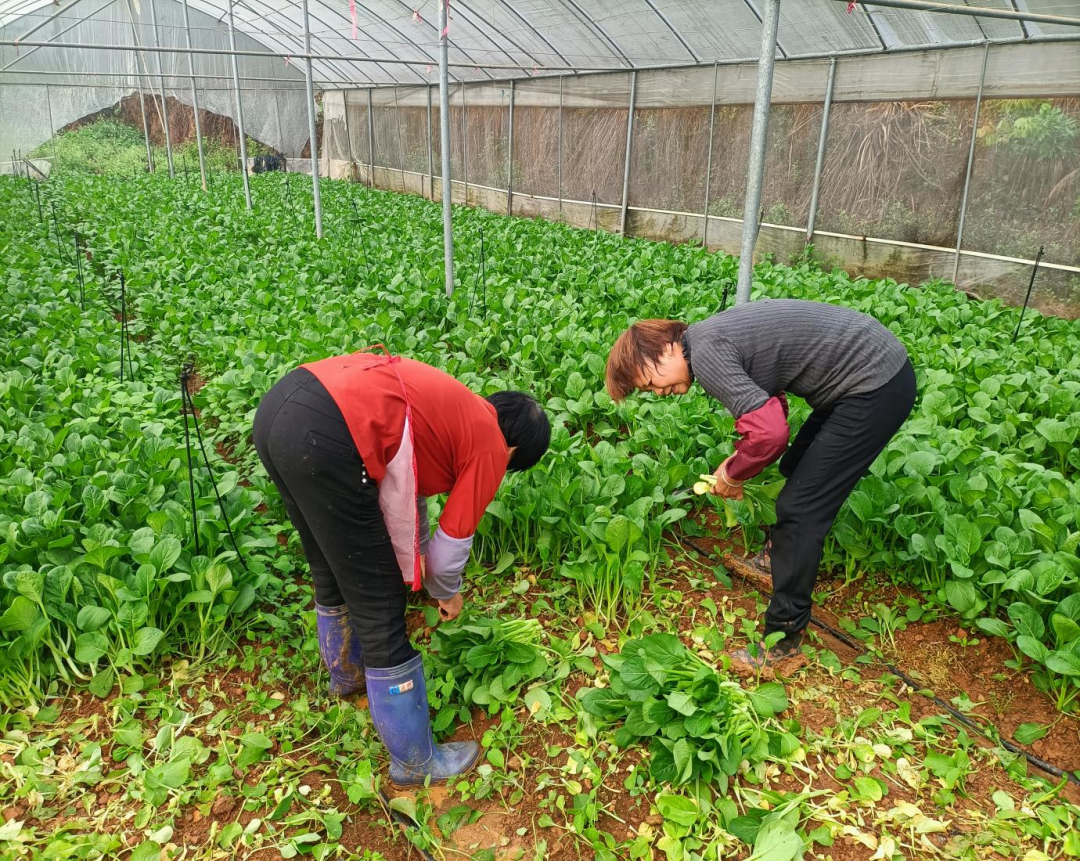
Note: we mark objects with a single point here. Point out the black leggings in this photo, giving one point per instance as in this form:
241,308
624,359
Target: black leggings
305,445
831,452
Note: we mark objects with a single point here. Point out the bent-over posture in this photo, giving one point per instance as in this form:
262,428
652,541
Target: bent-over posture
852,371
355,444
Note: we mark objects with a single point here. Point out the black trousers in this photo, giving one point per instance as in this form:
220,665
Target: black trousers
831,452
305,445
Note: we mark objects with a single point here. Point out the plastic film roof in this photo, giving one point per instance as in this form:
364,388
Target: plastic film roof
539,36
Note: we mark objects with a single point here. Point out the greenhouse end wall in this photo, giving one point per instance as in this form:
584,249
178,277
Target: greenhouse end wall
894,175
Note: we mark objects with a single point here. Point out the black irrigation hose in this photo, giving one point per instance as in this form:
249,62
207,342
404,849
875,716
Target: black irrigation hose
402,819
1010,746
187,406
185,373
481,276
125,337
1027,298
36,194
79,268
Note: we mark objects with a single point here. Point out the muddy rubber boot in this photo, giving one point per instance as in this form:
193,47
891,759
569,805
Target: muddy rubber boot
340,650
397,697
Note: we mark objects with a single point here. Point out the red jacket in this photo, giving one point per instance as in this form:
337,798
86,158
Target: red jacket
458,446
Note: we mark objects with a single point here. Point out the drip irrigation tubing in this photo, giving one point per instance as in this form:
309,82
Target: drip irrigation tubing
1010,746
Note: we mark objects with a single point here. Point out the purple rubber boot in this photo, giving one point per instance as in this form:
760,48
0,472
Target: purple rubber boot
340,650
397,697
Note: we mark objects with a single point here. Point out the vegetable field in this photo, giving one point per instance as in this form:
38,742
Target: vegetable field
160,680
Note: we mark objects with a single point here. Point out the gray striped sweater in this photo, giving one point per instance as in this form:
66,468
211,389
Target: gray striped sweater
820,352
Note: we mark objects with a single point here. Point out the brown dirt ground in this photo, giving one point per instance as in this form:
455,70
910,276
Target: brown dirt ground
1004,698
925,648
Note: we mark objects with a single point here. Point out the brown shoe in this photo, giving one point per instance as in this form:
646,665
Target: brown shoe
762,560
755,570
771,659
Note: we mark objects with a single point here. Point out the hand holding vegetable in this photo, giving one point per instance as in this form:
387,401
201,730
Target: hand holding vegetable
450,609
724,485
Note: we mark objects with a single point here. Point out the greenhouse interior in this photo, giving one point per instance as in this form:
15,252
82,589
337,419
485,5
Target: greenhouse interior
204,198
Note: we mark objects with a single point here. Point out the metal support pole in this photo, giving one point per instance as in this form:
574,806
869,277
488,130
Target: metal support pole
464,146
400,143
311,126
444,138
348,133
371,136
277,117
976,11
626,161
970,162
161,81
510,157
759,137
195,98
145,128
240,108
52,126
708,162
560,143
430,154
819,165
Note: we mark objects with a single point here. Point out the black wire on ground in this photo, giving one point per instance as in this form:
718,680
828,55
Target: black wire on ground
1010,746
359,230
188,408
36,193
125,338
1027,298
56,227
79,269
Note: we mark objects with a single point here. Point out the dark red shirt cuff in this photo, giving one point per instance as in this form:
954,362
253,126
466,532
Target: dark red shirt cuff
765,435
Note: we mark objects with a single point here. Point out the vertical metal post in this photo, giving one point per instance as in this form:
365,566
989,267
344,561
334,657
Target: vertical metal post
371,135
52,126
708,162
400,143
759,137
195,97
139,75
819,165
444,137
145,128
161,81
464,146
560,143
240,107
510,157
311,124
970,161
629,146
348,133
430,154
277,114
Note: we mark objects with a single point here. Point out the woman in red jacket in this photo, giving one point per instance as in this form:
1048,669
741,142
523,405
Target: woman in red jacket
355,444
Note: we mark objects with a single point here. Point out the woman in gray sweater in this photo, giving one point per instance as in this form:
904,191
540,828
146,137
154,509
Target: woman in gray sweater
852,371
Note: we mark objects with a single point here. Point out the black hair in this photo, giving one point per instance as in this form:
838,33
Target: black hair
524,424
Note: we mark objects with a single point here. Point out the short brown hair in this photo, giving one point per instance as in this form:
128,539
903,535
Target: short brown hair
640,345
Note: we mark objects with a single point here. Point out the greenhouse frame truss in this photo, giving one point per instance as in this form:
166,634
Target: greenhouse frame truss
870,33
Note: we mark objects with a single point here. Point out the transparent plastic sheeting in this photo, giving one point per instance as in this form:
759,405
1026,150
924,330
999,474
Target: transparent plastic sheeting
274,106
893,169
614,34
530,38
